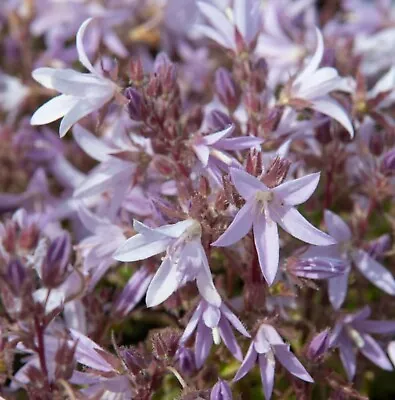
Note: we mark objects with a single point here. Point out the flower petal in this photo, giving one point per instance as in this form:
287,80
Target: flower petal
289,361
163,284
267,246
299,190
374,271
80,47
247,364
333,109
337,228
192,324
239,227
348,356
234,320
213,138
211,316
375,353
246,184
53,109
203,343
296,225
337,288
229,339
267,366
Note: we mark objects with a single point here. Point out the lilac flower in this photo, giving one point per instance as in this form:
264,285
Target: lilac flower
185,259
245,17
266,347
313,84
221,391
318,346
264,209
213,324
344,250
82,93
352,334
316,267
211,150
96,250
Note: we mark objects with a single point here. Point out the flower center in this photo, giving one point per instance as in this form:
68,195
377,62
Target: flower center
356,337
262,199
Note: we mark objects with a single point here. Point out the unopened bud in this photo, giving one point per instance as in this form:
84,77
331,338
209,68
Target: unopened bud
376,143
16,276
219,120
134,360
186,360
64,359
55,264
135,104
323,133
165,343
259,74
226,88
318,346
379,246
221,391
387,165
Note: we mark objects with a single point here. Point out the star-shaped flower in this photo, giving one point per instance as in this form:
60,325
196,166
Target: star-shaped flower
264,209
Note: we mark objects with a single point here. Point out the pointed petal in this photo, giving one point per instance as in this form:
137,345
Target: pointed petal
267,366
375,353
247,364
391,351
333,109
289,361
80,110
337,228
44,76
348,356
337,288
164,231
203,343
315,60
239,143
212,34
296,225
229,339
202,153
246,184
234,320
267,246
213,138
163,284
192,324
299,190
140,247
53,109
204,281
374,271
91,145
239,227
80,47
371,326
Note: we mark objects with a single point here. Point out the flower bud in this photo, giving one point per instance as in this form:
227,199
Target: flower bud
64,359
186,360
221,391
136,71
55,264
225,88
323,133
219,120
318,346
15,276
165,343
135,104
134,360
259,74
387,165
316,267
376,143
379,246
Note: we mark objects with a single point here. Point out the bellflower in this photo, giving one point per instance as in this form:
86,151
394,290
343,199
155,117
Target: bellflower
343,250
185,259
264,209
352,334
266,347
81,93
213,324
244,17
313,85
211,150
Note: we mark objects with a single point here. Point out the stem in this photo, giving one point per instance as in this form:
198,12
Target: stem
178,376
40,348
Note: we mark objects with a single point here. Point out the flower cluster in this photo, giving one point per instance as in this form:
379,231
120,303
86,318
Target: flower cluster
140,249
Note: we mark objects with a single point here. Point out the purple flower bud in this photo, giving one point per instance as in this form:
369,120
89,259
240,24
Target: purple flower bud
316,267
186,360
323,133
135,104
379,246
219,120
318,346
64,359
225,88
56,261
16,276
134,360
133,292
221,391
387,165
376,143
259,74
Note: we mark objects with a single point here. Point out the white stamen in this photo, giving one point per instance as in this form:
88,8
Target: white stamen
216,336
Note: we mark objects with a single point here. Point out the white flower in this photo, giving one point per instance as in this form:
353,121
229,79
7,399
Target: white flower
81,93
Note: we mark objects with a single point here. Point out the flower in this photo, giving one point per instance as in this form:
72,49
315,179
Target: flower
318,346
213,324
264,209
243,19
351,333
211,150
185,259
82,93
313,85
344,250
315,267
221,391
266,347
